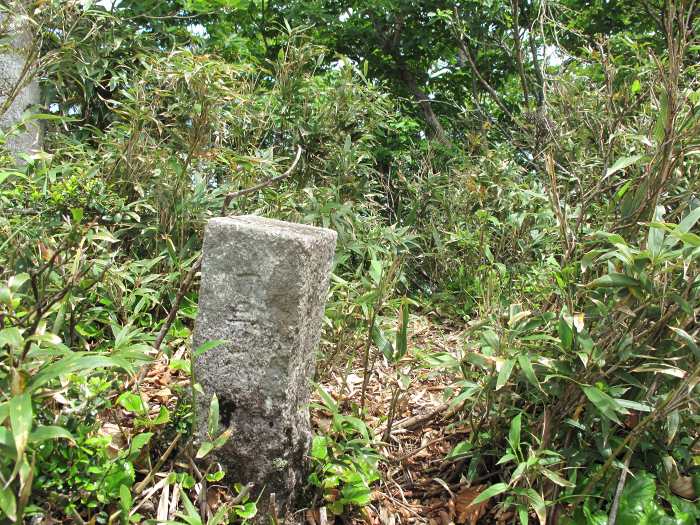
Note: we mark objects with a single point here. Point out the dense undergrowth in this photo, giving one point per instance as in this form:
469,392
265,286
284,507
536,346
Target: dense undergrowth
561,228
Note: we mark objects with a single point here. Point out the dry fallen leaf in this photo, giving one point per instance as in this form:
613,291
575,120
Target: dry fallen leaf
466,512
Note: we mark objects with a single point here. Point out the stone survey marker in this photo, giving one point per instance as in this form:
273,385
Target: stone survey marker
18,89
263,289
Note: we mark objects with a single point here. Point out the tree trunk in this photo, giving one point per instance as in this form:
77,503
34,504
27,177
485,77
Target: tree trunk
19,88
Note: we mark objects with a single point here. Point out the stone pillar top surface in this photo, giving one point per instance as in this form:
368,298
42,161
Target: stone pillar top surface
274,227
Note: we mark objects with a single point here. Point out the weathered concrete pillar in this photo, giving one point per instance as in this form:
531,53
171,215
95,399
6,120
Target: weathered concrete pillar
263,288
18,85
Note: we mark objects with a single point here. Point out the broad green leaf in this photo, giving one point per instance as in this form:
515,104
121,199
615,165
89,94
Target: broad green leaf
614,280
11,337
132,402
672,423
219,517
607,405
190,509
493,490
247,510
125,498
45,433
75,362
491,339
327,400
529,372
139,441
223,438
514,433
566,334
556,478
504,373
319,447
689,340
683,227
621,164
460,449
162,418
356,494
636,499
633,405
538,505
8,503
382,343
21,416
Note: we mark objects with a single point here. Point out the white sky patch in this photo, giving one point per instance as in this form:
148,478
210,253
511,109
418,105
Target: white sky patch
553,55
107,4
345,15
198,30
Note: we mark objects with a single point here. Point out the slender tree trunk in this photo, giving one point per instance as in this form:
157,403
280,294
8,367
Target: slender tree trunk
435,129
19,89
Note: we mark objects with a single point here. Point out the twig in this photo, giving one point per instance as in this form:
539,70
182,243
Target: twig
142,484
234,195
415,421
618,492
273,509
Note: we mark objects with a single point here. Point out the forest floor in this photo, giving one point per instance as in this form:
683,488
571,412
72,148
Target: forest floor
419,483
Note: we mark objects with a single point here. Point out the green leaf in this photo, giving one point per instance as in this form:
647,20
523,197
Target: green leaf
529,372
356,494
213,419
49,432
208,345
328,400
607,405
538,505
636,500
566,334
132,403
460,449
125,499
11,337
621,164
655,239
204,449
514,433
247,510
689,221
223,438
189,508
491,339
139,441
382,343
8,504
21,416
493,490
75,362
402,333
614,280
556,478
162,418
689,340
319,447
504,373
